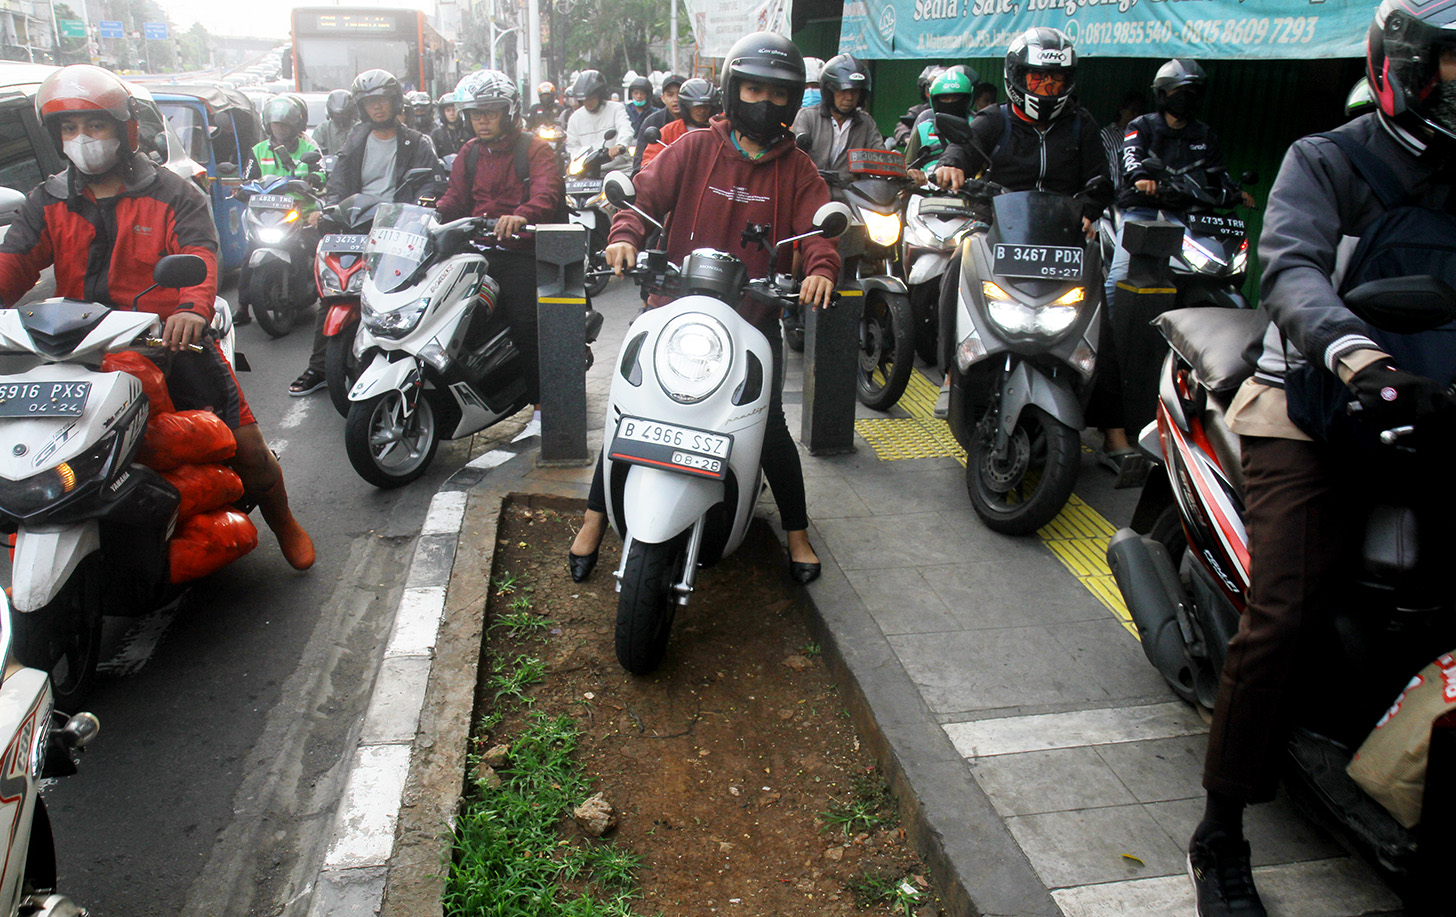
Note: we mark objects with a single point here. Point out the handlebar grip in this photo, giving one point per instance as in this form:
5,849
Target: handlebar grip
158,342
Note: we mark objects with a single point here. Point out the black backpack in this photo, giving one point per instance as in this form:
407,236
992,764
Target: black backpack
521,160
1409,239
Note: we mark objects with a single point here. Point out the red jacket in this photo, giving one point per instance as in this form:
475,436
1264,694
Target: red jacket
104,251
709,191
670,132
496,190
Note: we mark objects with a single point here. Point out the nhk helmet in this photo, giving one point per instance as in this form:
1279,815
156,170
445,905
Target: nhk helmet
768,58
340,105
1403,59
1041,73
489,90
82,88
589,83
698,91
288,111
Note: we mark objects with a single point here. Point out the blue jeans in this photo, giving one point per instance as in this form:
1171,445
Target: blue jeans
1120,257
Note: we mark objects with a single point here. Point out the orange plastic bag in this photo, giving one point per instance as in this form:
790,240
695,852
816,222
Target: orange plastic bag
208,542
204,487
154,384
186,438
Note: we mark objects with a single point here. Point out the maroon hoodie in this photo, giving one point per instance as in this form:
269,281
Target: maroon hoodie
709,191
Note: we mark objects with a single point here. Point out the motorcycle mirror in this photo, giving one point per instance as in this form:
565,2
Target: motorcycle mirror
312,157
803,141
1404,305
178,271
80,730
1249,178
832,219
610,135
227,170
619,189
417,174
649,136
11,201
953,129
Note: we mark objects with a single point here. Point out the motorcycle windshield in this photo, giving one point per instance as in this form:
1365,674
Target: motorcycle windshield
1038,218
398,244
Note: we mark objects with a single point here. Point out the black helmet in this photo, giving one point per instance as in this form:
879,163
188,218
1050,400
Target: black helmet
843,72
1402,59
927,76
287,110
1047,51
340,105
1175,75
377,84
770,58
698,91
642,83
589,83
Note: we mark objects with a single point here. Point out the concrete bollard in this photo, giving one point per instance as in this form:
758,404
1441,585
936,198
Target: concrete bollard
831,354
561,342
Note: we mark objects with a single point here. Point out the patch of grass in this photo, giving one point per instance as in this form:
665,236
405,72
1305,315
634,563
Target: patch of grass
521,623
504,584
812,649
514,679
880,889
509,860
867,808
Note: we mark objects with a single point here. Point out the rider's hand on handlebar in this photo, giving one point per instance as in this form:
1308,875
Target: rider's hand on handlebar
313,218
508,225
1248,199
915,175
950,178
621,256
815,291
1089,229
616,151
1391,397
1146,186
182,329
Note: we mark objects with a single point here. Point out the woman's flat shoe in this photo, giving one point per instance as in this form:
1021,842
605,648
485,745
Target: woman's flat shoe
581,565
803,574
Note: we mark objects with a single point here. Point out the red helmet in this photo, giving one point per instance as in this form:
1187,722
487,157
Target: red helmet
84,88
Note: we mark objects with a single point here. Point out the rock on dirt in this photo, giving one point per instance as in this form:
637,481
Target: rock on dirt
595,816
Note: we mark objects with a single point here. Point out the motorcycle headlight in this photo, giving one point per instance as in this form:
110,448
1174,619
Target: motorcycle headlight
395,323
356,283
1017,318
28,496
328,280
271,235
692,357
1241,258
578,165
882,228
433,354
1198,257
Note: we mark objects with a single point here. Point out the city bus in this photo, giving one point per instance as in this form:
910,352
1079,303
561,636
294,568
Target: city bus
333,44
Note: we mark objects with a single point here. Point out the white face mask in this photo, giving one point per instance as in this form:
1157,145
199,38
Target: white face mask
90,155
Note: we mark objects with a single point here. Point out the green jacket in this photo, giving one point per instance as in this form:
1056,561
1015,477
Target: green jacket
267,166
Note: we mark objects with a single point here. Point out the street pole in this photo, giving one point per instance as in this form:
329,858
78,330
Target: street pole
672,34
56,26
533,26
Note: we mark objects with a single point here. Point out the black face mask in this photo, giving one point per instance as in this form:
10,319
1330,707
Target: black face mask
1443,112
1183,105
762,122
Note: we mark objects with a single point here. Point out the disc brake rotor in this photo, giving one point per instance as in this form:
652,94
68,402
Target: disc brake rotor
1001,476
871,344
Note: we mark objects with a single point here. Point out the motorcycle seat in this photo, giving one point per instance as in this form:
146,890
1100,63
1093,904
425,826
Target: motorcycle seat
1213,342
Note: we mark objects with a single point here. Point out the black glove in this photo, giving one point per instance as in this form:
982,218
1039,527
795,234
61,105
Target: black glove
1392,397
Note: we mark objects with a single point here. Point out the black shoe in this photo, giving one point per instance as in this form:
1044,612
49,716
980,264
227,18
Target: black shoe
244,317
581,565
311,381
1223,881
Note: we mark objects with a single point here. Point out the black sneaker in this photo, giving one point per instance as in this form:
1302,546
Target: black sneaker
1223,881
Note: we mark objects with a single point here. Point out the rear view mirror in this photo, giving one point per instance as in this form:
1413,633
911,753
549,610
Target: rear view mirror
649,136
11,201
312,157
610,135
619,189
803,141
1404,305
227,170
178,271
1249,178
832,219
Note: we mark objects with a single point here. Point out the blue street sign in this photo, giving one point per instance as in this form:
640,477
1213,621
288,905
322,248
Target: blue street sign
112,28
155,31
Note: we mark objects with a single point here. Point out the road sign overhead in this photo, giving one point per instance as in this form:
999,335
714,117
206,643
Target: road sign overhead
72,28
155,31
112,28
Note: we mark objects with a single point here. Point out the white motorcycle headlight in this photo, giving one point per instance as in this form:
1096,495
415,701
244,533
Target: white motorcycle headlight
692,357
577,166
882,228
328,280
395,323
356,283
433,354
1198,257
1017,318
270,235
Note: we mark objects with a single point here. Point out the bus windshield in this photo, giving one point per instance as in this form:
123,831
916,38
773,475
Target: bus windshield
326,63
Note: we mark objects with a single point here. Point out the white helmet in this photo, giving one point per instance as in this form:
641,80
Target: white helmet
488,89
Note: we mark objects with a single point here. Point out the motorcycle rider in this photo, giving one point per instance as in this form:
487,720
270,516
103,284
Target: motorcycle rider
660,118
69,223
1298,491
1133,105
484,182
639,102
374,160
452,131
1041,139
708,185
340,119
545,111
420,111
279,154
595,117
950,94
700,101
905,126
840,123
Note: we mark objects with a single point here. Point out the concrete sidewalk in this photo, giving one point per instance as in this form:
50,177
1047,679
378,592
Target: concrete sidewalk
1043,766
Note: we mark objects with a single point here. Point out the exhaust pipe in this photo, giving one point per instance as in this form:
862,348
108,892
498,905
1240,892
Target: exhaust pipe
1153,593
51,906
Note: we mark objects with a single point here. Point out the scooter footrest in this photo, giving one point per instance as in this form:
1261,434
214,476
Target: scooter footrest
1319,770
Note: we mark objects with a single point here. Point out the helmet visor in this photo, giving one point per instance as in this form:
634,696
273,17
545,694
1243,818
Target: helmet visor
1047,83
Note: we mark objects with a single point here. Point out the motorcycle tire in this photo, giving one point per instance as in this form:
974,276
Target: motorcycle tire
1024,492
794,335
645,608
274,314
341,368
386,448
886,351
64,637
595,285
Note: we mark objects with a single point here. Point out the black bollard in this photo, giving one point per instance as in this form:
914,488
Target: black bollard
831,352
561,317
1147,292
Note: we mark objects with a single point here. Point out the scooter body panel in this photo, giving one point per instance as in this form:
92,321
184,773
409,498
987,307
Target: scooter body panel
45,558
40,443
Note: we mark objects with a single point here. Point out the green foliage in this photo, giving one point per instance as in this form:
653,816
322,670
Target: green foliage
878,889
867,808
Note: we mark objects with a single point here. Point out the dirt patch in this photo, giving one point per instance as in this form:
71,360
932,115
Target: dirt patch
734,768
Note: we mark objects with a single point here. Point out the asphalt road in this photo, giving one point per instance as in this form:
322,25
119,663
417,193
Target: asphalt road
224,721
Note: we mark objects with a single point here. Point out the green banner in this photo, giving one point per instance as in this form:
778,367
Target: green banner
72,28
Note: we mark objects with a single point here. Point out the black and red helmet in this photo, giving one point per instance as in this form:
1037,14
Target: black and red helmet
1403,59
83,88
1034,54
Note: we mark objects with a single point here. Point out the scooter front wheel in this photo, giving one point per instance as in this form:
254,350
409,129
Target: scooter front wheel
387,447
341,369
645,607
886,351
1020,492
64,637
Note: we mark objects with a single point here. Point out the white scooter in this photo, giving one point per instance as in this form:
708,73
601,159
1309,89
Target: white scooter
437,356
684,430
40,744
90,527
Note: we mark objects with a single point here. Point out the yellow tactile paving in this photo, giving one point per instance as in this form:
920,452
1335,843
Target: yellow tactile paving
1077,537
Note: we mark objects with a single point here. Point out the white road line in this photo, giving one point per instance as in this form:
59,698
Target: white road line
417,622
491,459
140,642
370,808
278,445
1043,732
447,509
295,414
